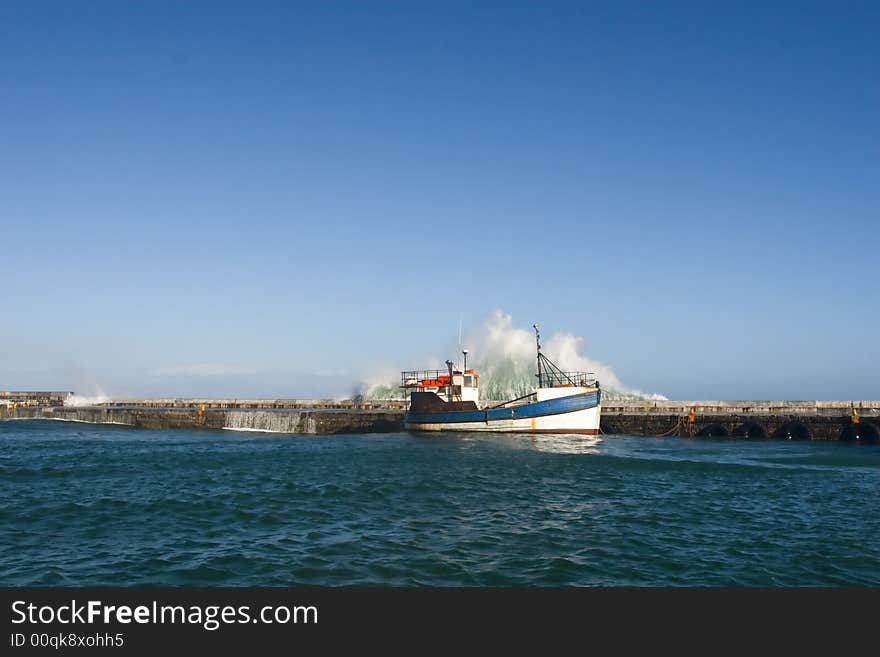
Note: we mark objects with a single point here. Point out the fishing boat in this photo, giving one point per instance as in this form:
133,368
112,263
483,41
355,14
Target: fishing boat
449,400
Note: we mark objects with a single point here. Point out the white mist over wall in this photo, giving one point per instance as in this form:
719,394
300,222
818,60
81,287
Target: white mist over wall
87,400
504,357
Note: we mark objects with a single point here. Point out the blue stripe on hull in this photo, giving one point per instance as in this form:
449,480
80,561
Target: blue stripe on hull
556,406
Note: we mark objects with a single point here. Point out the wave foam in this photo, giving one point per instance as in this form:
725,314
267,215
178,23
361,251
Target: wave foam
505,360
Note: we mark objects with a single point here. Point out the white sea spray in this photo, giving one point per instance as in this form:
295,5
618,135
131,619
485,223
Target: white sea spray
504,357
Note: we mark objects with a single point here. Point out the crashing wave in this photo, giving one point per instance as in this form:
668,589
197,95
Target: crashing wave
505,361
86,400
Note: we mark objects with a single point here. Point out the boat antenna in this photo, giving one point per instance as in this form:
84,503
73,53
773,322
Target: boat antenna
459,331
538,342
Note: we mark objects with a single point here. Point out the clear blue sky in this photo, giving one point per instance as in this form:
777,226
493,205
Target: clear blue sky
199,196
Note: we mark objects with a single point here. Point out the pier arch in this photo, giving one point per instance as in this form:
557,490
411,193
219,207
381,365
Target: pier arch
606,427
750,430
713,431
863,432
794,431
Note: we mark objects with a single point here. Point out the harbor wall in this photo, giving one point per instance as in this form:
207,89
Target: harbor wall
789,420
309,404
34,397
762,419
306,421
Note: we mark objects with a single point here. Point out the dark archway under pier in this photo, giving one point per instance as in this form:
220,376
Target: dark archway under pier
608,428
793,431
713,431
863,432
750,430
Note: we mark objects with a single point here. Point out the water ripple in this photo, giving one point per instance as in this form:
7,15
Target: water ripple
97,505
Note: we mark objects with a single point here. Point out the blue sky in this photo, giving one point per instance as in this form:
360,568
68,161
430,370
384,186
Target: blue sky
274,198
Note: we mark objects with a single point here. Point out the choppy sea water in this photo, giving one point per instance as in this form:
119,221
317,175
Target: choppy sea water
106,505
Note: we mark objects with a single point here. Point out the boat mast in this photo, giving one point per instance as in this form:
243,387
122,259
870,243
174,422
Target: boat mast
538,341
449,390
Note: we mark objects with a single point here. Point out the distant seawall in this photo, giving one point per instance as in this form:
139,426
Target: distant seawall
302,421
762,419
788,420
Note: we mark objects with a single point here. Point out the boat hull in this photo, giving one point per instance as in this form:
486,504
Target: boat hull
573,413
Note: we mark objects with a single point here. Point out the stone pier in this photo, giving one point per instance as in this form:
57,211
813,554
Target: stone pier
787,420
300,421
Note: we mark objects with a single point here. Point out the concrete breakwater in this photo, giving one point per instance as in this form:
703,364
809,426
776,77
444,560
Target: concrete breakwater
302,421
34,398
250,404
790,420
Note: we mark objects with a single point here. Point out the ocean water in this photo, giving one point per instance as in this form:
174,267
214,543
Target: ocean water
107,505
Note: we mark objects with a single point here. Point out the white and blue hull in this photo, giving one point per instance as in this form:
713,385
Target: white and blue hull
556,410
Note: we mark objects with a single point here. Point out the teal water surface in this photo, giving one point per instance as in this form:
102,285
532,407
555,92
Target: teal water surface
105,505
